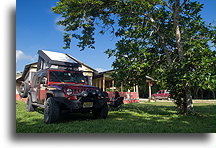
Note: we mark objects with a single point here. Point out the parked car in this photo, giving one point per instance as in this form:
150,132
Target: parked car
56,90
161,95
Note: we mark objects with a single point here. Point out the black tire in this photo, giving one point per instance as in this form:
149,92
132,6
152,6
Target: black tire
101,113
51,111
23,90
29,106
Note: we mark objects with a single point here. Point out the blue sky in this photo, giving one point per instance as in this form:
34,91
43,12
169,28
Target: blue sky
36,29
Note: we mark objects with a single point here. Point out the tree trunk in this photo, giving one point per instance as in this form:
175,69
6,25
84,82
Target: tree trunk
213,94
189,103
176,17
194,93
201,93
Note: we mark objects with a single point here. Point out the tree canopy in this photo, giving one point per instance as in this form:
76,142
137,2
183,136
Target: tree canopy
166,39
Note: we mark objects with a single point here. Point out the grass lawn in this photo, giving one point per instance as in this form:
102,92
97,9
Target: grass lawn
156,117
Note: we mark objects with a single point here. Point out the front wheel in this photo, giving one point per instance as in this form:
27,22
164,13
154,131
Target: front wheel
51,111
101,113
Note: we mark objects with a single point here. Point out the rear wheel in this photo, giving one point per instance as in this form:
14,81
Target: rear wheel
101,113
23,90
51,111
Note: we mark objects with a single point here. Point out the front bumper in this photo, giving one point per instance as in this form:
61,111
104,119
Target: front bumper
78,105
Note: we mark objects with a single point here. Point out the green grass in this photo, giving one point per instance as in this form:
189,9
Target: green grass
159,117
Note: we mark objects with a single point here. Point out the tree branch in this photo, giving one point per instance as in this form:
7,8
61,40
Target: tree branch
168,6
176,17
182,5
166,51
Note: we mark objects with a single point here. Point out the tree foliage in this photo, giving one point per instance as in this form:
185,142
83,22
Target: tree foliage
167,40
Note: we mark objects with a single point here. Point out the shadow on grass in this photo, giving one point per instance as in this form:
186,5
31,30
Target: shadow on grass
133,118
151,109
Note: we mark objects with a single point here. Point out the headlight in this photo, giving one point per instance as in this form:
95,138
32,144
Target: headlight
69,91
84,93
94,92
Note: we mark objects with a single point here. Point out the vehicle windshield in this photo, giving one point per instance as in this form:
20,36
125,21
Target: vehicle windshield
66,76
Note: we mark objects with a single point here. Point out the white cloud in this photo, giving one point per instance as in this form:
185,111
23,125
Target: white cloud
21,56
100,69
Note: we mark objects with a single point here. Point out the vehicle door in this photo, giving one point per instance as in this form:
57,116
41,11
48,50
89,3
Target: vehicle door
42,87
158,95
162,94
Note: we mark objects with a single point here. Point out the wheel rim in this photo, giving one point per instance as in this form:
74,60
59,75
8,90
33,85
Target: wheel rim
22,89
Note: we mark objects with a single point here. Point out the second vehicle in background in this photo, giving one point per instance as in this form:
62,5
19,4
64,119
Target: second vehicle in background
161,95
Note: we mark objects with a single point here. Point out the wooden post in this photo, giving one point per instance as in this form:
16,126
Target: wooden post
99,81
149,90
94,83
137,90
104,83
122,87
113,83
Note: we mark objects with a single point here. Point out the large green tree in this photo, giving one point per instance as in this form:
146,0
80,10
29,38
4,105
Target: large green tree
166,39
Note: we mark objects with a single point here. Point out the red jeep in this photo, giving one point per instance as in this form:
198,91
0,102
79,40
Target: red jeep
162,94
56,90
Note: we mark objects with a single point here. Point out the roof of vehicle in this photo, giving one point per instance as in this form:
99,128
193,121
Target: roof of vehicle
56,58
53,69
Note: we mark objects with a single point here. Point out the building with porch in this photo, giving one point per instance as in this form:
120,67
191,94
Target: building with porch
105,82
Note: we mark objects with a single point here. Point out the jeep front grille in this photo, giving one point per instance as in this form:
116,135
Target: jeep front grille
77,90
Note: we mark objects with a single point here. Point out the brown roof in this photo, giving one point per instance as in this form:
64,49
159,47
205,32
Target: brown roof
26,69
82,63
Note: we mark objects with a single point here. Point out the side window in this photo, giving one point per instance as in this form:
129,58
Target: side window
162,91
43,78
34,80
32,75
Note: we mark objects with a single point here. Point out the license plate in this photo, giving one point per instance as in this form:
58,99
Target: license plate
87,104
